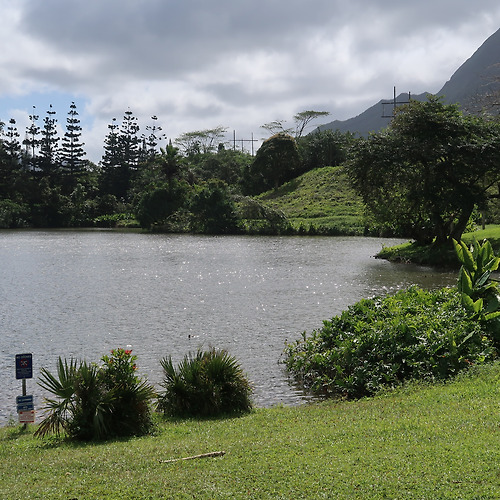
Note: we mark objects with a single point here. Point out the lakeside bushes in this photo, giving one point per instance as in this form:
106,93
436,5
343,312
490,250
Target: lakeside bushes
382,342
204,384
95,402
413,335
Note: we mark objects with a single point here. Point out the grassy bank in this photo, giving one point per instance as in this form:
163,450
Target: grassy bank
321,198
409,252
436,441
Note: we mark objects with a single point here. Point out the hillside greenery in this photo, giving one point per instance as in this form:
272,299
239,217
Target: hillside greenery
320,200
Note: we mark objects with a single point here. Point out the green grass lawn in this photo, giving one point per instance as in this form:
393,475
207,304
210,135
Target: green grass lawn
426,442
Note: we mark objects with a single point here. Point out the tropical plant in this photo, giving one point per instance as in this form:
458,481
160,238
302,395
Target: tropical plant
382,342
206,383
480,294
96,402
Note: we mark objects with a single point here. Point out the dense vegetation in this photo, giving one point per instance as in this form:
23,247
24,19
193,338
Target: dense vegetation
426,174
204,384
97,402
200,184
431,173
412,335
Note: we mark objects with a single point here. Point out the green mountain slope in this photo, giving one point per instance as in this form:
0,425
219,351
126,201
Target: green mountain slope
321,198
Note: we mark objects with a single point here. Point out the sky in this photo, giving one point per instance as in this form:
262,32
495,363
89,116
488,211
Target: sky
199,64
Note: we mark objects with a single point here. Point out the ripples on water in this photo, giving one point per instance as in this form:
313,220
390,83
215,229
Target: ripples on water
82,293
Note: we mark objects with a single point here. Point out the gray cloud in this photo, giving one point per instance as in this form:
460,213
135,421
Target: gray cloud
199,64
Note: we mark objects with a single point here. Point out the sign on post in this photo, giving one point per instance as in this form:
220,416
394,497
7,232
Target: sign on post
24,366
27,417
24,403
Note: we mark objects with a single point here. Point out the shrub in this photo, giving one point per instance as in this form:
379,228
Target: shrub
97,402
382,342
207,383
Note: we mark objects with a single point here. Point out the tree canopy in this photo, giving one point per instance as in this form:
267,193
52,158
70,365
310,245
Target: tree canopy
427,172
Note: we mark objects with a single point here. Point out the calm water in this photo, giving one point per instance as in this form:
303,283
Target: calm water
82,293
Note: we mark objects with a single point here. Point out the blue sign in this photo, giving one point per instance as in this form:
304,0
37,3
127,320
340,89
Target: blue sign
24,365
25,403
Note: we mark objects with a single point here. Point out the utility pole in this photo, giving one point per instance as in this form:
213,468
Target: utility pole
395,103
251,141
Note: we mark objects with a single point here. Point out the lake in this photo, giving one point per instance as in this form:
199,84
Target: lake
82,293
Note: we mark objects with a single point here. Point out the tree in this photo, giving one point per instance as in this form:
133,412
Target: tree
302,120
31,141
11,142
49,161
200,141
213,210
156,205
277,161
427,172
10,158
129,140
150,143
72,152
325,148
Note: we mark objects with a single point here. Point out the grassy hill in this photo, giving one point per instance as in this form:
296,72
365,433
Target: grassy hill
320,199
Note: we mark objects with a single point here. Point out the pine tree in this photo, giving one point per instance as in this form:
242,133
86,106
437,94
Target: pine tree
11,142
110,181
152,140
72,151
31,141
129,141
49,152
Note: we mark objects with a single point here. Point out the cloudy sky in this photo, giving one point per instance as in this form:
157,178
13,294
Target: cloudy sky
198,64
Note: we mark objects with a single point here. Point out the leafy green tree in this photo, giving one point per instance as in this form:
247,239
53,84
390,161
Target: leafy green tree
156,205
213,210
277,161
427,172
200,141
326,148
169,161
226,165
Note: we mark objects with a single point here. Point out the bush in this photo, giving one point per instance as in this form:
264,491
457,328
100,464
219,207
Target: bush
207,383
382,342
97,402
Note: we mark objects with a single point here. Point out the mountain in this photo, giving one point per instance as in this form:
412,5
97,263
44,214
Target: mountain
471,86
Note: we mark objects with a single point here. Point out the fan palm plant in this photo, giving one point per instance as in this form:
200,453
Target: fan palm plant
205,383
